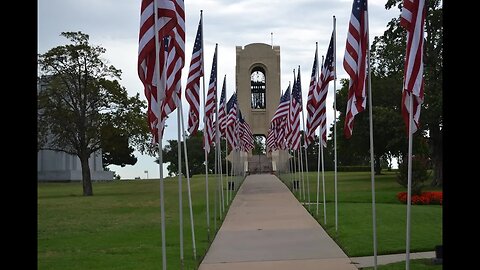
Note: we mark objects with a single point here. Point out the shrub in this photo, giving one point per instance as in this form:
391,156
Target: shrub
420,173
431,197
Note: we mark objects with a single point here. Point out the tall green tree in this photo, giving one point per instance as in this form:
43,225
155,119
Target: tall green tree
258,145
196,156
83,105
388,54
389,137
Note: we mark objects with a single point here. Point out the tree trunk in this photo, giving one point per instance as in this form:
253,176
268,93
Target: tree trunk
86,177
377,166
437,157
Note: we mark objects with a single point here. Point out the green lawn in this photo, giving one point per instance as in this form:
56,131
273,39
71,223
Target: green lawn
355,234
420,264
119,227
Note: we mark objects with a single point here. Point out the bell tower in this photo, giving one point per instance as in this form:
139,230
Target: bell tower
258,93
258,84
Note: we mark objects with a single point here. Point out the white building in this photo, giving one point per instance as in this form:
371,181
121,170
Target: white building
60,166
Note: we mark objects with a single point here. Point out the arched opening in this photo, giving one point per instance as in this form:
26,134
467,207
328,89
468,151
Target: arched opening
259,162
259,145
257,87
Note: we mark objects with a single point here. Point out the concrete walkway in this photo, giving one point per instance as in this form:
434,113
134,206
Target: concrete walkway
267,228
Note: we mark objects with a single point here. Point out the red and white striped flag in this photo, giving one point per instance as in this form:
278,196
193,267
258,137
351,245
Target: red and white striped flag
211,106
355,63
293,138
279,122
413,20
192,91
245,134
327,74
161,86
270,141
231,120
313,119
222,110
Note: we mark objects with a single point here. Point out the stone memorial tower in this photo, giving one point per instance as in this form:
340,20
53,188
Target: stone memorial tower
257,78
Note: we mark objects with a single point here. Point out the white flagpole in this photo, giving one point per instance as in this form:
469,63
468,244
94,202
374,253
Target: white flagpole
318,167
217,142
216,160
160,154
204,135
188,182
162,202
299,163
220,209
372,170
323,162
335,121
180,197
295,179
409,185
305,148
290,169
229,195
220,169
323,185
320,146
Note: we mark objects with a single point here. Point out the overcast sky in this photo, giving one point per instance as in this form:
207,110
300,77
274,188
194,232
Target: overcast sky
296,26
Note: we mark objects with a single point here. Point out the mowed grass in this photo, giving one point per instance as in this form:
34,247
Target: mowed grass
355,235
119,227
420,264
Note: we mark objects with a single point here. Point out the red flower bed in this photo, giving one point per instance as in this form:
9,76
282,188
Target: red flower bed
429,197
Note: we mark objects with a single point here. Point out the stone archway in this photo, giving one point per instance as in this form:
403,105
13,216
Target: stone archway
258,90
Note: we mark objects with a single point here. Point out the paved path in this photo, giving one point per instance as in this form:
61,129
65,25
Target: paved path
267,228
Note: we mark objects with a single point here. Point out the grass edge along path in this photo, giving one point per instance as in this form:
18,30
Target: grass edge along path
417,264
355,234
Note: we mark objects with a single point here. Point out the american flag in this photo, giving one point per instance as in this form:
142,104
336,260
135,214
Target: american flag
355,63
282,109
192,91
155,87
245,134
279,120
413,20
231,120
211,105
174,62
270,142
281,131
312,102
222,110
293,137
328,74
